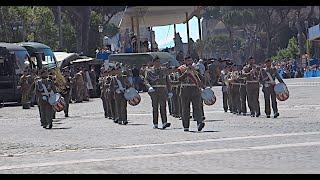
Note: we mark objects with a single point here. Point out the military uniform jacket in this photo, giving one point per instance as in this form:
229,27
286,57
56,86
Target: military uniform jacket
191,77
114,86
251,77
157,78
48,83
264,78
69,83
25,82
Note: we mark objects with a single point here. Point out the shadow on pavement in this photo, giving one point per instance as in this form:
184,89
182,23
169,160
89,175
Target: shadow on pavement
212,120
56,128
136,124
202,131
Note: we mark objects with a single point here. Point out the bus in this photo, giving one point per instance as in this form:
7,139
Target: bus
13,61
44,57
40,51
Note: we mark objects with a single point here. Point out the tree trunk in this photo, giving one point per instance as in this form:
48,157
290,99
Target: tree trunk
59,20
230,42
85,29
300,38
79,36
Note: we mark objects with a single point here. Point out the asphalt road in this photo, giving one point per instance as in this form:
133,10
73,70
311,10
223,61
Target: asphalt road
86,142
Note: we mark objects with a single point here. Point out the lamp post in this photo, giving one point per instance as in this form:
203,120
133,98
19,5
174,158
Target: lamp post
100,28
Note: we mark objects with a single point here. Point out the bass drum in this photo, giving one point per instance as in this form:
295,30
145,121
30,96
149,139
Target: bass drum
282,92
132,96
57,102
208,96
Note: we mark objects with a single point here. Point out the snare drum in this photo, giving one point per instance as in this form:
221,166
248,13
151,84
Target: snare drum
282,92
132,96
57,102
208,96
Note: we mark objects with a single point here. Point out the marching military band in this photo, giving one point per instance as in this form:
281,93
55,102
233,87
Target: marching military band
179,86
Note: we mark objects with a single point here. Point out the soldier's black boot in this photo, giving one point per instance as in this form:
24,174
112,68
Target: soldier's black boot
115,120
50,126
200,126
268,116
166,125
276,115
252,115
258,114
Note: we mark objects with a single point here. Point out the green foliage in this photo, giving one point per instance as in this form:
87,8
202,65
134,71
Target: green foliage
292,50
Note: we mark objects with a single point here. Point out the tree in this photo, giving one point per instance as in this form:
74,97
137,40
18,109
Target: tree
292,51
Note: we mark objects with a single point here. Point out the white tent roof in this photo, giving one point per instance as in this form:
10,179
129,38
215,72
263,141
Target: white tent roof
150,16
60,56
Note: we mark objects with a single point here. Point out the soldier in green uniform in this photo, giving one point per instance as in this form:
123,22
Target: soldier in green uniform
225,87
44,86
103,93
235,87
251,72
119,83
67,93
25,83
85,87
190,92
243,94
34,77
157,82
175,98
267,77
79,84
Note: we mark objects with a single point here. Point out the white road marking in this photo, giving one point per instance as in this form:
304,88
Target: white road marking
220,139
185,153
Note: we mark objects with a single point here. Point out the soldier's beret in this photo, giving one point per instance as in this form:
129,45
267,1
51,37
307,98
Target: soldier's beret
250,57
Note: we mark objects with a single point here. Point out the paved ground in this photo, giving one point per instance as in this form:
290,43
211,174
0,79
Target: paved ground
88,143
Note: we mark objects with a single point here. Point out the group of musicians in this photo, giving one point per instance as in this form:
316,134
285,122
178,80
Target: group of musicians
179,86
241,86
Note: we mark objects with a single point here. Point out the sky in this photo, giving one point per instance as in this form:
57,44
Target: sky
164,34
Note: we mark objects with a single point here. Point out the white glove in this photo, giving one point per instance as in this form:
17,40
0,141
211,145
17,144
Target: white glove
170,94
151,90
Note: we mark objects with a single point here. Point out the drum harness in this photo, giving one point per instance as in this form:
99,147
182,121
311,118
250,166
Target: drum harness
271,80
46,94
121,88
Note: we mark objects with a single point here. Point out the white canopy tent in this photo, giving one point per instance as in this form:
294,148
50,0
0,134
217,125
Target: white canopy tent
148,16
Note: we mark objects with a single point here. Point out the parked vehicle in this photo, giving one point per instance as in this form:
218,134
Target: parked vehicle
13,60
